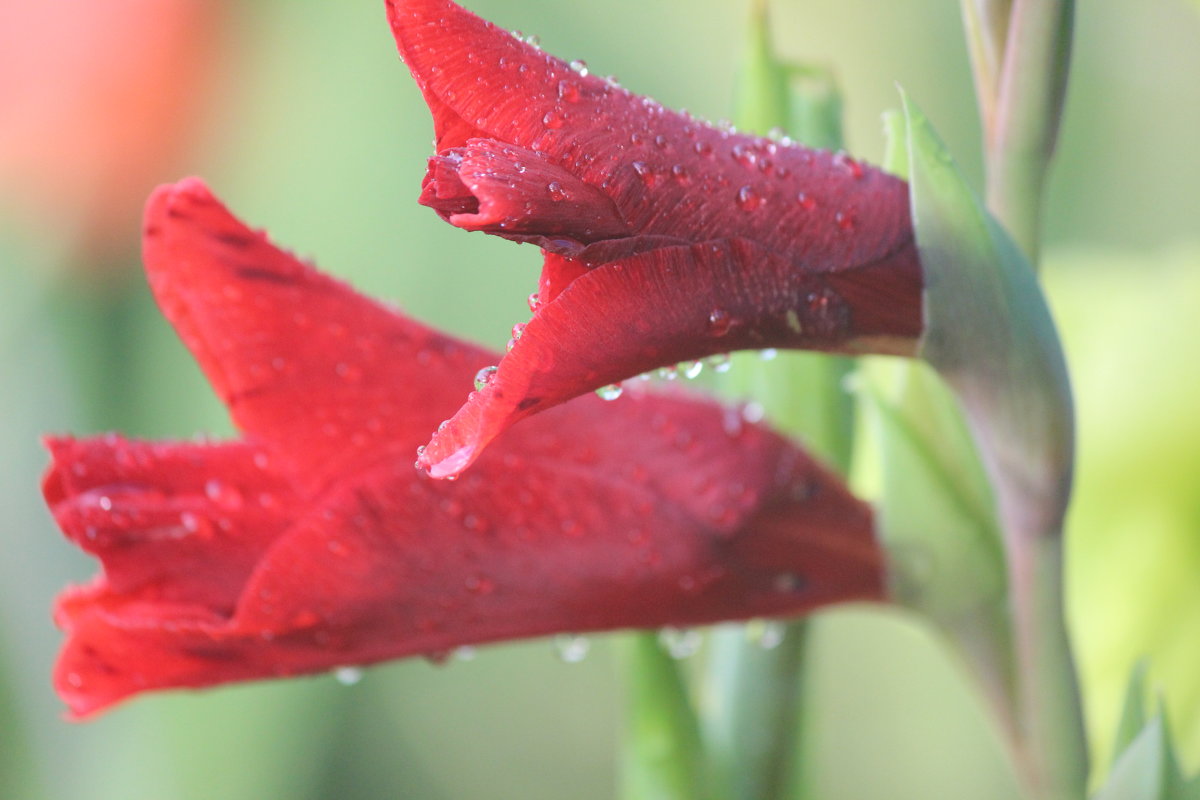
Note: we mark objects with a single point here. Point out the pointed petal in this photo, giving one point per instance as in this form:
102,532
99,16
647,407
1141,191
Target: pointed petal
670,305
175,522
296,355
667,174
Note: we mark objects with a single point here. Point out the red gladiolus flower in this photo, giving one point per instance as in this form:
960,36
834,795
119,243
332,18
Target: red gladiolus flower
666,239
312,541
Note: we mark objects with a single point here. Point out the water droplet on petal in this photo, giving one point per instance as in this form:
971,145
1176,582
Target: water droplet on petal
535,302
692,369
843,160
703,148
668,373
480,584
571,648
719,322
579,66
484,377
568,91
768,354
844,220
557,193
224,495
646,173
748,199
680,173
806,202
465,653
610,392
554,119
788,582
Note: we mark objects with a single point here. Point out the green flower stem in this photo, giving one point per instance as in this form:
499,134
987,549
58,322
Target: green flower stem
1051,752
753,712
663,756
1021,132
753,709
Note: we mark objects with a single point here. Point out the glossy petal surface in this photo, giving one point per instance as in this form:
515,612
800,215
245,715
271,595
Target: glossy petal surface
313,542
666,215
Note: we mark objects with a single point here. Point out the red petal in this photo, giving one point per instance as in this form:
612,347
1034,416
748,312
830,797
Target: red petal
671,305
518,194
667,174
645,512
301,360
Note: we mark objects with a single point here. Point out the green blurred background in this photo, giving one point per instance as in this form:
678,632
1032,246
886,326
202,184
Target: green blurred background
311,127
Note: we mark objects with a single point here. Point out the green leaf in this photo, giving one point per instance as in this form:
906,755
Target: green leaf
761,100
1133,712
990,335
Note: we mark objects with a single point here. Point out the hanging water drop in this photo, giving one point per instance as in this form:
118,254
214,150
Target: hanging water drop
571,648
610,392
484,377
720,362
768,354
348,676
770,635
691,370
579,66
680,643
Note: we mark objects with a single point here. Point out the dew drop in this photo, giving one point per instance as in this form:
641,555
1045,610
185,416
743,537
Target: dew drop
465,653
568,91
787,582
557,193
535,302
661,142
719,322
843,160
610,392
348,372
518,331
484,377
806,202
720,363
744,155
348,676
554,119
768,354
691,370
480,584
748,199
680,643
668,373
703,148
224,495
844,220
680,173
571,648
646,173
105,503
